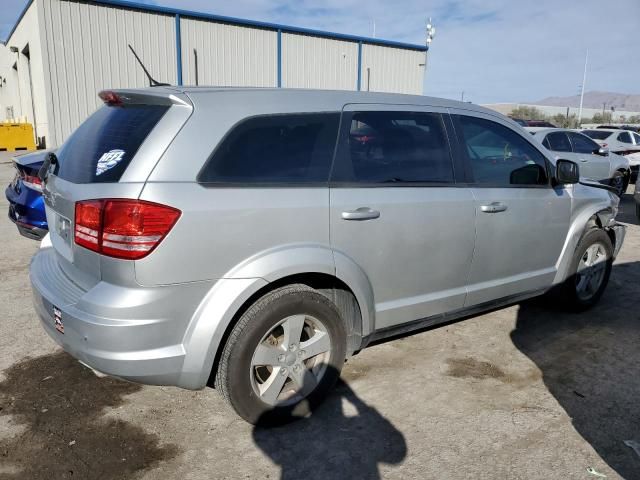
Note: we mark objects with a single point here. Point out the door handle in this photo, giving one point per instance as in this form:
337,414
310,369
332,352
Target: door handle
362,213
584,160
494,207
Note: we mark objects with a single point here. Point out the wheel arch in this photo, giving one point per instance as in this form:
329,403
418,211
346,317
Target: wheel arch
597,216
229,298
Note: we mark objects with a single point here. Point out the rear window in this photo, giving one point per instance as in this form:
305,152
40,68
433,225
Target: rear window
100,149
287,148
597,134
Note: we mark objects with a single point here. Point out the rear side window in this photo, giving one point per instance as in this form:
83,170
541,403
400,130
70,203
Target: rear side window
625,137
395,147
597,134
499,156
100,149
582,143
295,148
557,142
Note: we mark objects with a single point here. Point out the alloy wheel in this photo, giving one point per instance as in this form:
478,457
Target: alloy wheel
290,360
591,271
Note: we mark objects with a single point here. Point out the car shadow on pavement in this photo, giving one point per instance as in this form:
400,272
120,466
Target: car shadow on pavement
51,409
590,363
344,439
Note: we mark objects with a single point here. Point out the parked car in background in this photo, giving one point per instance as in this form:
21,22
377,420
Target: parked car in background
519,121
540,123
596,162
24,193
622,142
255,239
632,128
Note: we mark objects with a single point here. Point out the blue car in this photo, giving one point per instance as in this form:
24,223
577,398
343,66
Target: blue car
26,205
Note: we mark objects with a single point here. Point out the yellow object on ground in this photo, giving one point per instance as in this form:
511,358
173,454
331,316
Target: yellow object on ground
16,136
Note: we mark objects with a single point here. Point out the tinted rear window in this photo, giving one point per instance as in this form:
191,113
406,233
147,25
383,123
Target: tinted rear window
100,150
288,148
597,134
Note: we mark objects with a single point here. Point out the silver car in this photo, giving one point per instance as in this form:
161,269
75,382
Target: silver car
596,162
253,239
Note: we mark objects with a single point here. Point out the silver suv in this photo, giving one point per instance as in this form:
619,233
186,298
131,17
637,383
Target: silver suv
253,239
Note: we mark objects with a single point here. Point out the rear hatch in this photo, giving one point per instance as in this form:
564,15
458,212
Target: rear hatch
110,155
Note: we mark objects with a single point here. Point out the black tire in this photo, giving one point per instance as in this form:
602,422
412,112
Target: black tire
620,181
638,211
234,375
568,294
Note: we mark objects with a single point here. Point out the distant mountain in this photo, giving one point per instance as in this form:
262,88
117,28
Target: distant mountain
621,101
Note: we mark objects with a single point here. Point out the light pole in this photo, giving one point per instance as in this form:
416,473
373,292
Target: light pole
431,32
584,80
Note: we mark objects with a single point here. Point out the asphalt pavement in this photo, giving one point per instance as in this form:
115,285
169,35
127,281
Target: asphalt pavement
524,392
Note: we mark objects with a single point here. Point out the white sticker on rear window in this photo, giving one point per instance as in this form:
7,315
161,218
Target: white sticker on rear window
109,160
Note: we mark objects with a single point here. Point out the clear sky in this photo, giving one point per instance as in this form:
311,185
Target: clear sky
493,50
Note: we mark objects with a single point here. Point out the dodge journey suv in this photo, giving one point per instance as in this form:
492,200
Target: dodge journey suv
253,239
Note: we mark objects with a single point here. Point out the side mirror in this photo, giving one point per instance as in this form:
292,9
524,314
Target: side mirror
567,172
602,151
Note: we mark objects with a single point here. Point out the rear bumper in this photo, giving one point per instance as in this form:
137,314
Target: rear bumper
25,229
26,210
134,333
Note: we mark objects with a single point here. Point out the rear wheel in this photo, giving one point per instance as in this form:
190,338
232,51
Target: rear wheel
283,356
590,270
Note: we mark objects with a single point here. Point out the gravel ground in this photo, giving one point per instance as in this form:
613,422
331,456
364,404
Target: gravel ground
523,392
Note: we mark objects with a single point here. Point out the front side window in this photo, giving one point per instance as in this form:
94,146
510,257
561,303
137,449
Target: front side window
289,148
636,137
395,147
557,142
625,137
582,143
499,156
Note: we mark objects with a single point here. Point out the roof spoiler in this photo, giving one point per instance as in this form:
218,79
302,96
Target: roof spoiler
162,96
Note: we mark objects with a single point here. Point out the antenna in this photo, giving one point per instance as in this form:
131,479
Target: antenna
152,81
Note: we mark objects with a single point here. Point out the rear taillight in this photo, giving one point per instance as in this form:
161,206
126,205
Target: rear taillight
33,182
128,229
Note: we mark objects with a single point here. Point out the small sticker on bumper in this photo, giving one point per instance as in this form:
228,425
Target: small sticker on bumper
57,320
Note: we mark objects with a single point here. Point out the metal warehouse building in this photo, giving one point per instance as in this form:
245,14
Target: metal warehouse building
61,53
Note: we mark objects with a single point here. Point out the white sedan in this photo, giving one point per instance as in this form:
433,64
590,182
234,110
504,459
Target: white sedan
596,162
622,142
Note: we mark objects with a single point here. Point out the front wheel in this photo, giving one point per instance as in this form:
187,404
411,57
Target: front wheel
590,270
619,181
283,356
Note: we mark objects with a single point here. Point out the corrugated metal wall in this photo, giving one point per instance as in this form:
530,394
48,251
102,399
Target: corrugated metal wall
228,55
87,52
84,50
314,62
392,69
